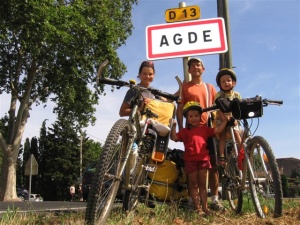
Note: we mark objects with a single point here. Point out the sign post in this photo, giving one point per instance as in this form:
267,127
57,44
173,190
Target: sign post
31,168
185,39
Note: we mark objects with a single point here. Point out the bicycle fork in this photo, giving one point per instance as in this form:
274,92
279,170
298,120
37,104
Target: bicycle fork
254,177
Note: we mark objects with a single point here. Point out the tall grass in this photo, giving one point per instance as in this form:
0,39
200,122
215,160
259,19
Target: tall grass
162,214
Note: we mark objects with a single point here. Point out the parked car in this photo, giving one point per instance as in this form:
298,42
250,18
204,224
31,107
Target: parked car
87,178
22,193
36,198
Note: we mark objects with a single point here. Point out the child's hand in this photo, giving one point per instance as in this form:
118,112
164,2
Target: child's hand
173,122
147,100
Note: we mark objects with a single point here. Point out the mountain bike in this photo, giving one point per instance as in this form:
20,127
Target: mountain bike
121,172
259,170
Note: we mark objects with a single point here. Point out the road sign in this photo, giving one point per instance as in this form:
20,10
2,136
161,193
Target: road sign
182,14
199,37
31,166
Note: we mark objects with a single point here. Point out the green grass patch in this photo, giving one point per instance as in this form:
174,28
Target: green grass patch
163,214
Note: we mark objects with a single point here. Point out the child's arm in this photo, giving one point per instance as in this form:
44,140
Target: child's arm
223,124
173,131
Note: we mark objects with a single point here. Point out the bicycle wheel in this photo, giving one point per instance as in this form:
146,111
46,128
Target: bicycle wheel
265,188
108,175
132,197
231,183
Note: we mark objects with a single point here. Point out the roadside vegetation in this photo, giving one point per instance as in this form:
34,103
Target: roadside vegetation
162,214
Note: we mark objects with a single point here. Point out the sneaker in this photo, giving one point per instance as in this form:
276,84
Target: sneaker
217,206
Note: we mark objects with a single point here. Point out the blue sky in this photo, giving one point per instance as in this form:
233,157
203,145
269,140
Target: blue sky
265,53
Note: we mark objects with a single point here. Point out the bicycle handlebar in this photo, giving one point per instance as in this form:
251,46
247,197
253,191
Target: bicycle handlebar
225,104
267,102
120,83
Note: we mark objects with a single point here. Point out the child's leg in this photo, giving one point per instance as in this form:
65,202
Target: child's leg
193,189
222,135
202,178
222,142
238,138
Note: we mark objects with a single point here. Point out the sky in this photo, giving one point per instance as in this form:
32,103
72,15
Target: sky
265,45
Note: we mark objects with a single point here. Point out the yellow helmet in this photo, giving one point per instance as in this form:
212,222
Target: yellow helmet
192,105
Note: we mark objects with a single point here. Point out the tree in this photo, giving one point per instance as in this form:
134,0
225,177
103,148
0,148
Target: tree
49,52
60,161
285,185
61,142
91,151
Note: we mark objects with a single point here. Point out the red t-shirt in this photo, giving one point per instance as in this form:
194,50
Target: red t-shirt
199,93
194,141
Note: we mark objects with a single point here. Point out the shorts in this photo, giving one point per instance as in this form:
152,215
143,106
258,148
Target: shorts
192,166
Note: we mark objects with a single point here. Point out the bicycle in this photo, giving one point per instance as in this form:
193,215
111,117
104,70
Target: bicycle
120,174
259,168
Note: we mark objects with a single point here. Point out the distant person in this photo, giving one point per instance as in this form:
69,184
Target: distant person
226,80
80,193
72,192
196,155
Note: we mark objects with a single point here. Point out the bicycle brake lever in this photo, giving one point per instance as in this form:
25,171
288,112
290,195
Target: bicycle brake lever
180,88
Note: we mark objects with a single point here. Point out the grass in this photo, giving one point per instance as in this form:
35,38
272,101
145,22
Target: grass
162,214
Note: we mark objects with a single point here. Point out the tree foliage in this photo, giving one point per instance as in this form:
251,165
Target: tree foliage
49,52
285,185
58,159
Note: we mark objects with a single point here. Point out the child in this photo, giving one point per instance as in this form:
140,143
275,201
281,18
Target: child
146,75
226,80
196,155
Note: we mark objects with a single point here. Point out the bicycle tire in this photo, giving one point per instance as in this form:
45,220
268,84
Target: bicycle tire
231,184
266,190
107,178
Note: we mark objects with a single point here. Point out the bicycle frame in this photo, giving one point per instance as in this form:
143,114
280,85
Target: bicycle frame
136,134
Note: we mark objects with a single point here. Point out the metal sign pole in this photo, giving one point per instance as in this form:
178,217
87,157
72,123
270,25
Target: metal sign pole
187,76
30,177
225,59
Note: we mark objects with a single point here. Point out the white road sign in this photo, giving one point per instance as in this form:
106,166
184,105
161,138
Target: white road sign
199,37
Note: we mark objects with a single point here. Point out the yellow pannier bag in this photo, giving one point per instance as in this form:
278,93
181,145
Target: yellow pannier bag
164,110
168,182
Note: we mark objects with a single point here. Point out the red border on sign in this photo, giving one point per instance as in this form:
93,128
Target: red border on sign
222,48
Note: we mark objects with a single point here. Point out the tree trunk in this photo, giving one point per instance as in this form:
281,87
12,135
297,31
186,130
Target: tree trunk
8,191
8,176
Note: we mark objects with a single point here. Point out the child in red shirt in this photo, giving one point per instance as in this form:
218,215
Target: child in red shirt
196,155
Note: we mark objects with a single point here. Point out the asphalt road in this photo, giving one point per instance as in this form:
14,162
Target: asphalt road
46,206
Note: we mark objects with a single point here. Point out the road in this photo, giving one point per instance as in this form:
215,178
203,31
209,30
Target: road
46,206
55,206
